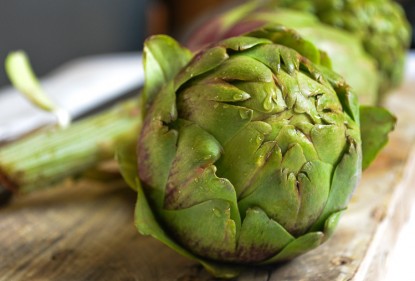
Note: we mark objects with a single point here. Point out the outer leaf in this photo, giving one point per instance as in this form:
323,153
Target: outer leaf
346,95
127,161
331,224
298,247
344,181
155,160
261,236
163,59
288,37
147,224
375,125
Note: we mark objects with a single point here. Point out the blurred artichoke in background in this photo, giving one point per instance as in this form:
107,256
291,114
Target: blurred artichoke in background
249,151
380,24
344,49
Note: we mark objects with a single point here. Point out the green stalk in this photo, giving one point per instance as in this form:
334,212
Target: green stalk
48,156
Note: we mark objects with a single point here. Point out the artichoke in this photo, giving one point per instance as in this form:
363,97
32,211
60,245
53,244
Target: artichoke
249,151
380,24
345,50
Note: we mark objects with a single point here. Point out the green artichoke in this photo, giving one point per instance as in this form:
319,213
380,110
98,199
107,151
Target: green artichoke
249,151
380,24
344,49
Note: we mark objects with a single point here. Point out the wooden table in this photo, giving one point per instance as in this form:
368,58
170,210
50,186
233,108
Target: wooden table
83,230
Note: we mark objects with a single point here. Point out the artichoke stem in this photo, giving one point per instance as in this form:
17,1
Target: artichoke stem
48,156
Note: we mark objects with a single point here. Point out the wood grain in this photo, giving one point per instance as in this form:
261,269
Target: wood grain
83,230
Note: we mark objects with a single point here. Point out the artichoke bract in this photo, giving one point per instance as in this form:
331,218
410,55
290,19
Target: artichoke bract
249,151
345,50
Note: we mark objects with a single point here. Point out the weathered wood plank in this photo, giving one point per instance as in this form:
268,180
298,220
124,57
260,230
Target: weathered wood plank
84,230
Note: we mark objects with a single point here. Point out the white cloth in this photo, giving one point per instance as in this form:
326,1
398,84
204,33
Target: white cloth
77,86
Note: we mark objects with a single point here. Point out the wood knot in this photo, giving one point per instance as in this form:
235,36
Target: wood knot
342,260
378,213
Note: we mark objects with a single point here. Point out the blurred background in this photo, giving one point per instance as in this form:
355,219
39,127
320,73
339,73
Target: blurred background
55,31
409,8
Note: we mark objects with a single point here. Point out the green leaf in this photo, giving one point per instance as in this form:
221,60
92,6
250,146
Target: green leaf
242,43
344,180
242,168
203,62
126,157
126,154
23,78
222,120
297,247
21,75
192,178
206,228
163,59
155,160
331,224
375,125
147,224
261,236
282,35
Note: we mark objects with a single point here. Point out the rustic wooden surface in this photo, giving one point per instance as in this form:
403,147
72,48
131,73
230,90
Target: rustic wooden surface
83,230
